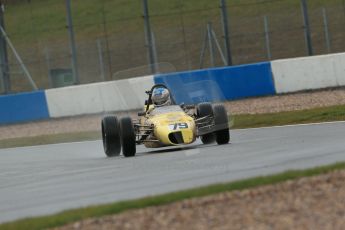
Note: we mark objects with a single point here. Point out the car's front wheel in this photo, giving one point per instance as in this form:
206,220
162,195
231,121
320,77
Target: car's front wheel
221,121
205,109
127,137
111,136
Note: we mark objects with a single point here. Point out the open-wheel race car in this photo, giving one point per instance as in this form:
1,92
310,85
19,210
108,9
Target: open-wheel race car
163,123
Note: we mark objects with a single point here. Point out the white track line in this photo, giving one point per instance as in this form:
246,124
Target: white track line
268,127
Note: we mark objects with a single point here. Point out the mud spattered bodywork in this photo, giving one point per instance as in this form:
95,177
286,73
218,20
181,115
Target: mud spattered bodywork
171,126
167,124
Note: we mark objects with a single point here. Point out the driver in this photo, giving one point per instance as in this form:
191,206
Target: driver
161,97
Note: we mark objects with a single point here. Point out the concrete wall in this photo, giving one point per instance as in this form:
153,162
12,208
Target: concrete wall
307,73
98,97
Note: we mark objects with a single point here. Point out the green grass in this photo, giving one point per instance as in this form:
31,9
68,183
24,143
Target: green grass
46,18
114,208
334,113
49,139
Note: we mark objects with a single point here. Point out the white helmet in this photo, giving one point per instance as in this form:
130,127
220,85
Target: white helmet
161,96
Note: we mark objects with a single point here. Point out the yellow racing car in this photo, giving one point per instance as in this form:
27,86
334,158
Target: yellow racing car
163,123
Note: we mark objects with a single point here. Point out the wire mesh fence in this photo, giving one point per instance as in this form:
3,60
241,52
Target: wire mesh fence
111,43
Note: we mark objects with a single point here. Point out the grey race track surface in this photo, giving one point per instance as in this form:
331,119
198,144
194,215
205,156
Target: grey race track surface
47,179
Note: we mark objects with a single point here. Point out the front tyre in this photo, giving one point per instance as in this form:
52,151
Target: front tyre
221,121
111,136
127,137
205,109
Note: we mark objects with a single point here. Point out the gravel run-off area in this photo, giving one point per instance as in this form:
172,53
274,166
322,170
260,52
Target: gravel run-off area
279,103
308,203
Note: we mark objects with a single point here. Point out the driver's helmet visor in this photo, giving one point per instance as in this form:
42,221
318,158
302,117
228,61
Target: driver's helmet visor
160,95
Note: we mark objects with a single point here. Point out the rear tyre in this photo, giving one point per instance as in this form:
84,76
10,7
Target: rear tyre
221,121
111,136
205,109
127,137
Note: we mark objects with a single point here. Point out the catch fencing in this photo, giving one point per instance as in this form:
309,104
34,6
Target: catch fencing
190,87
111,43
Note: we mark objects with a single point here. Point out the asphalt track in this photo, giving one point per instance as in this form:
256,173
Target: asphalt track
47,179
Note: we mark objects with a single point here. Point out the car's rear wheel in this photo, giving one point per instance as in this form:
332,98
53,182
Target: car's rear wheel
127,137
205,109
221,121
111,136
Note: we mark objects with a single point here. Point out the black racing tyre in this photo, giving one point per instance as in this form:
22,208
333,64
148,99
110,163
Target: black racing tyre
221,121
111,136
127,137
205,109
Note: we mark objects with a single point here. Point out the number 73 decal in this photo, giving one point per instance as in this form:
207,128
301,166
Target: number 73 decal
178,126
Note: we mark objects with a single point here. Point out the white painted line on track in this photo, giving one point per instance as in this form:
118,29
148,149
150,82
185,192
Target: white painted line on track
267,127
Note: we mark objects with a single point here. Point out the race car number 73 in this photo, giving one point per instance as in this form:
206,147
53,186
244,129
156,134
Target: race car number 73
178,126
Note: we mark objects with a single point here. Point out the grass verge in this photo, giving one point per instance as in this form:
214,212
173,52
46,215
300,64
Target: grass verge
49,139
114,208
334,113
326,114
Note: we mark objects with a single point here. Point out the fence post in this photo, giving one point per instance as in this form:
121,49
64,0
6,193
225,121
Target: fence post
210,42
47,57
148,34
226,32
72,42
155,53
203,50
214,37
304,6
19,59
100,59
4,69
327,36
267,38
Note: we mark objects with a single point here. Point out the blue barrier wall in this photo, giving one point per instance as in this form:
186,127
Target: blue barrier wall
23,107
219,84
